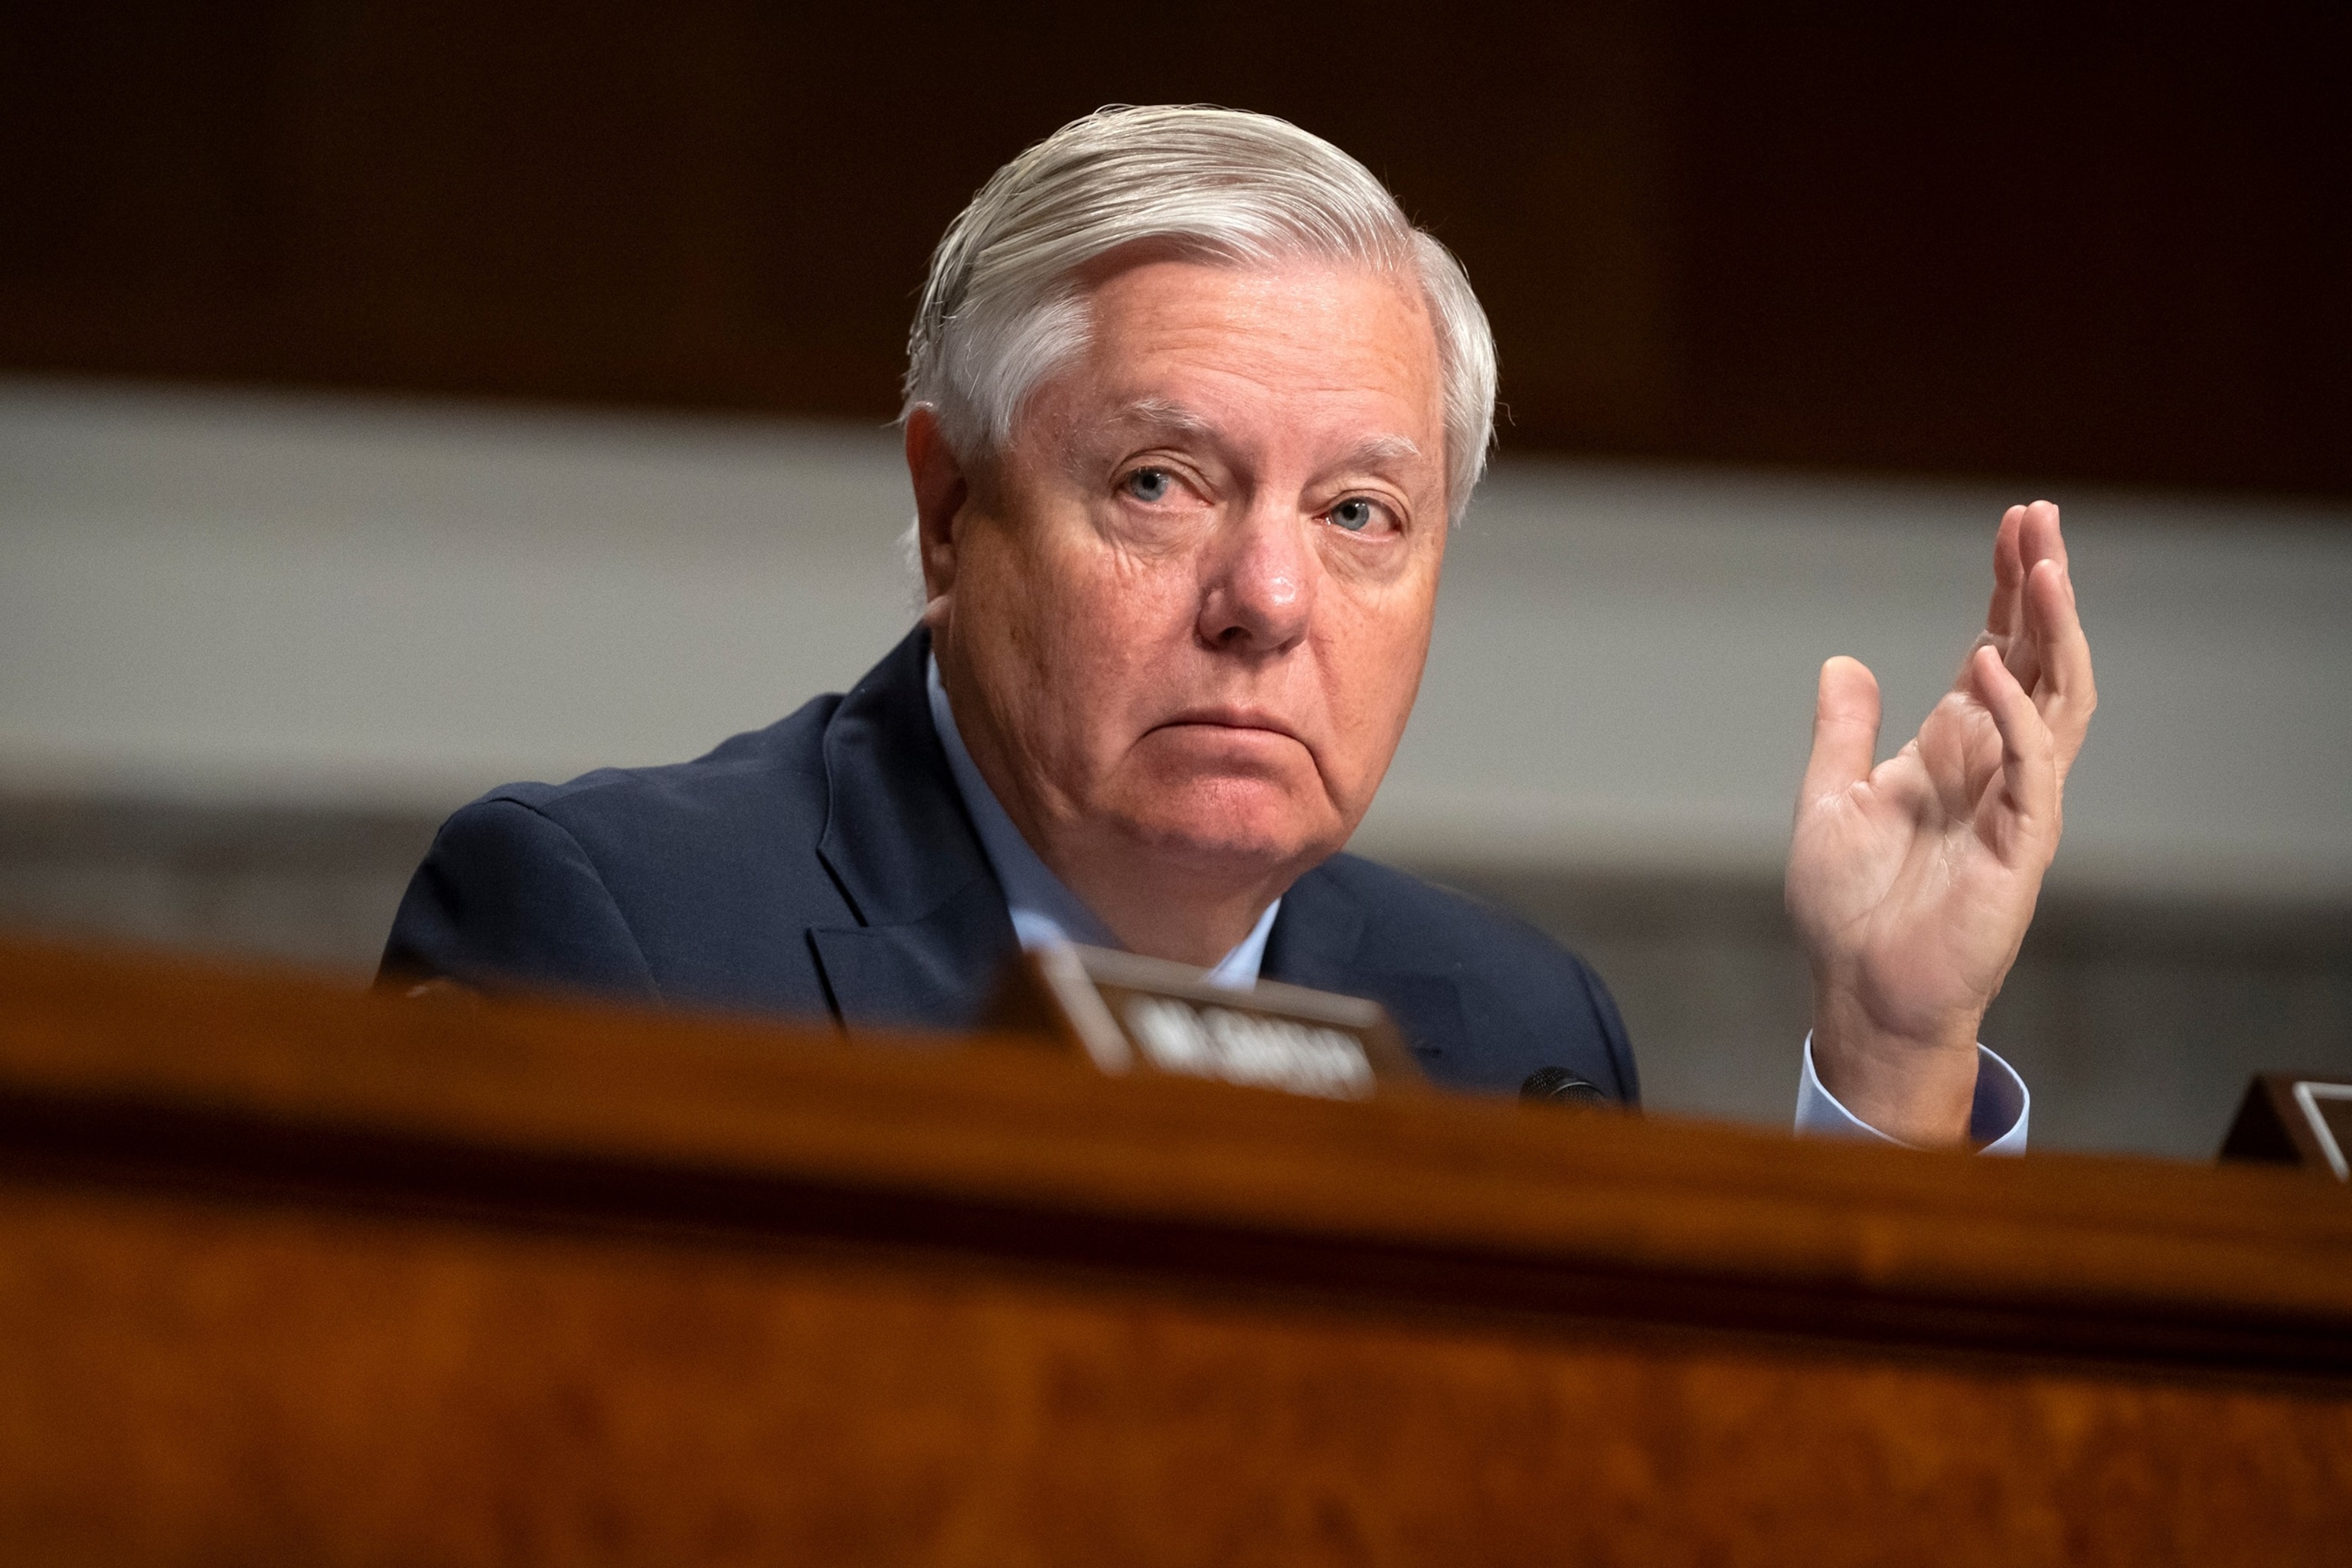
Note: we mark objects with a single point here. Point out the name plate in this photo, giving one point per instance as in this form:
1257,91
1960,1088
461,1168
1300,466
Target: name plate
1129,1014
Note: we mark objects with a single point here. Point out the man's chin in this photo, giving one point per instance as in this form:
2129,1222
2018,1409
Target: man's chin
1243,833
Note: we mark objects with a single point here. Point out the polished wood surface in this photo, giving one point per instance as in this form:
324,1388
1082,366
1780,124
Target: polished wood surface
291,1274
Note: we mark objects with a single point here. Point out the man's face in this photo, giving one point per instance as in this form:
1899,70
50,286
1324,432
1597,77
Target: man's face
1185,613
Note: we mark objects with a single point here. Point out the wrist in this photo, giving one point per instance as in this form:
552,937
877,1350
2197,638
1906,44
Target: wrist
1915,1086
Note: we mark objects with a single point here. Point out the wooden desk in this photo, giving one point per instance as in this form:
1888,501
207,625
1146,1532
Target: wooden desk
289,1275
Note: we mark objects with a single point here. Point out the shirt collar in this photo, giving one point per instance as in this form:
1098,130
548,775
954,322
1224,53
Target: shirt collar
1045,911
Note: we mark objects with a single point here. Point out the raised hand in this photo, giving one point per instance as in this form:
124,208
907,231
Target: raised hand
1912,882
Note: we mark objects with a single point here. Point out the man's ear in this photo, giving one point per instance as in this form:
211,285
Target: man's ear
940,491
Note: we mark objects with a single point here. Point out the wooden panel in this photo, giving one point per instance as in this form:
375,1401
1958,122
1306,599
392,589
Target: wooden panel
287,1272
2040,243
189,1383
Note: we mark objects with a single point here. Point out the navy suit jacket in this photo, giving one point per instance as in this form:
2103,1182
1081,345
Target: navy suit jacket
825,867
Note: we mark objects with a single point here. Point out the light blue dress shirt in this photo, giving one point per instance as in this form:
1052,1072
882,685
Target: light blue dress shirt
1996,1120
1044,912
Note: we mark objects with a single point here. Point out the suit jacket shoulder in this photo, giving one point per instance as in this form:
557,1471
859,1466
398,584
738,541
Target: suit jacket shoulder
694,883
820,868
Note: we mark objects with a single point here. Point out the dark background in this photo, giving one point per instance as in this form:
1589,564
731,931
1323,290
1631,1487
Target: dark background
2064,242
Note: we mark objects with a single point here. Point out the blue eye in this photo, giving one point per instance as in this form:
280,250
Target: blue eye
1354,514
1149,484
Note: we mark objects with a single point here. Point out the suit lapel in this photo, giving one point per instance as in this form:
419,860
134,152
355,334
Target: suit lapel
1321,940
937,972
932,935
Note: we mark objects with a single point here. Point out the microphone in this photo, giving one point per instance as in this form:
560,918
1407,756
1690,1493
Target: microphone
1558,1086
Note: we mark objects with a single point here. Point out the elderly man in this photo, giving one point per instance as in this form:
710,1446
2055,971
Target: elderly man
1191,409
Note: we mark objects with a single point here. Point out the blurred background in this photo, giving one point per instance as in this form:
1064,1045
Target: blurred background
397,399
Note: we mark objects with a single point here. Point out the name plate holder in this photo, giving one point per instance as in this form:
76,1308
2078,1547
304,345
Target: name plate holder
2296,1119
1128,1014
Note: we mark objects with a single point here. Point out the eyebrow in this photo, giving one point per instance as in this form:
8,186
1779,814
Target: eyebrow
1163,413
1382,449
1160,414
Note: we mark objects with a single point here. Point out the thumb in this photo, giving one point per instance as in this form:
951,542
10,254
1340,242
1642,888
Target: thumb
1845,730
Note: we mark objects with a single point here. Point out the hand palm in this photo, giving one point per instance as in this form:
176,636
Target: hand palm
1921,878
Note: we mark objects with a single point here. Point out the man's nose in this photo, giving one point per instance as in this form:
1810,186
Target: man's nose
1259,589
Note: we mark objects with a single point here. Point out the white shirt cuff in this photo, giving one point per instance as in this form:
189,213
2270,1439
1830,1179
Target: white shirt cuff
1996,1121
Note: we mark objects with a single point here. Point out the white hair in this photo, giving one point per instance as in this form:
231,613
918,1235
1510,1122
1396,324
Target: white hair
1005,305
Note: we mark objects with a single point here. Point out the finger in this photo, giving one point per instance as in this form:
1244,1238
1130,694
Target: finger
2028,763
2008,574
2068,693
1845,729
2038,538
2005,615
